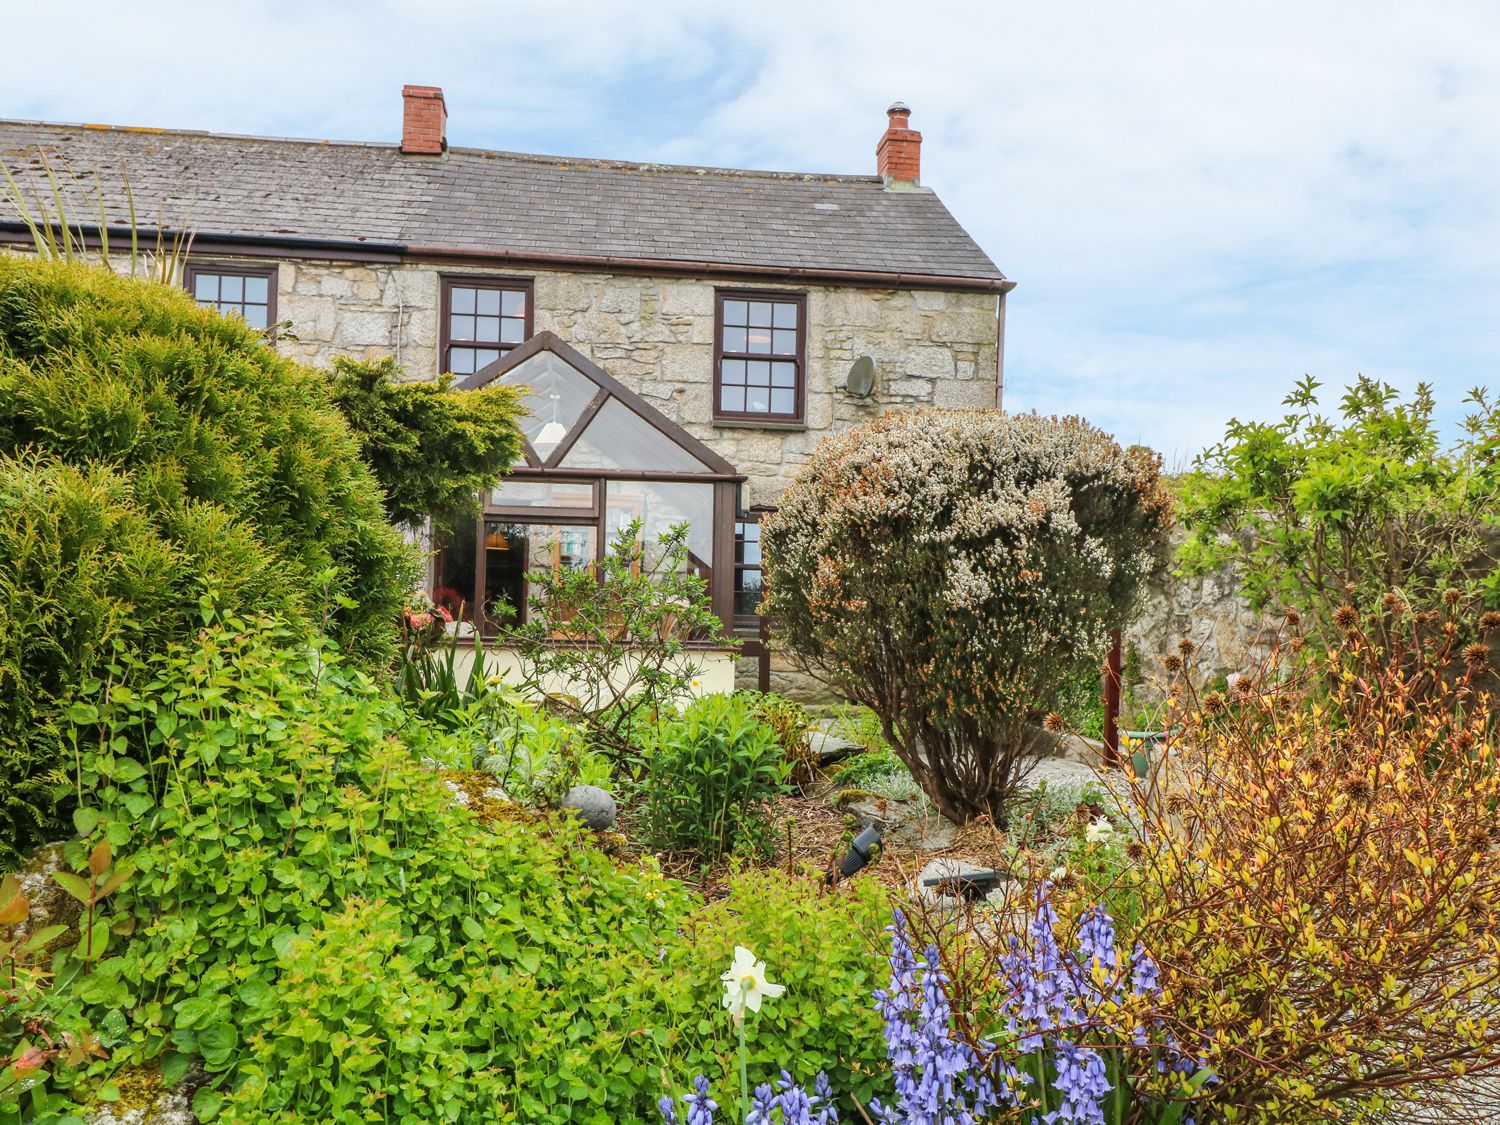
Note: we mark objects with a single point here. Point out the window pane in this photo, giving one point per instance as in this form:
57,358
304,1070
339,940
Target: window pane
255,316
483,357
783,374
784,342
734,339
786,315
512,331
463,299
760,313
758,341
619,438
461,361
513,303
736,312
512,550
461,327
757,400
734,372
231,288
758,373
453,585
255,289
543,494
559,394
747,592
732,398
206,287
783,402
660,505
487,329
487,302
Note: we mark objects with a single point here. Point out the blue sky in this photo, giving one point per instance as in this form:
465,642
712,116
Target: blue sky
1200,202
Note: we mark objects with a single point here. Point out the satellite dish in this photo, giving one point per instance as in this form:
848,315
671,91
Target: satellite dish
861,380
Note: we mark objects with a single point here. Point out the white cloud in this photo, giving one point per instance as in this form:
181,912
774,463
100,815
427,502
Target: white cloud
1200,202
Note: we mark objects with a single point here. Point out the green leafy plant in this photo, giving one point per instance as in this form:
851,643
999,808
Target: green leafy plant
435,450
708,779
953,571
793,728
1315,512
612,646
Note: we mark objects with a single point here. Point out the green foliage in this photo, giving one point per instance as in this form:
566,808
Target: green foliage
709,777
536,757
953,571
1315,511
155,459
434,450
793,728
631,628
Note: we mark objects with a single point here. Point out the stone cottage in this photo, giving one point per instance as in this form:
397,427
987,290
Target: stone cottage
689,334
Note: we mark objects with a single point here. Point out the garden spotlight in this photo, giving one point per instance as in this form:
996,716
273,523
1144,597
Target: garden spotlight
861,852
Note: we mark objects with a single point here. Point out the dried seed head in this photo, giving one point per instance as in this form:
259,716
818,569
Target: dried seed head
1054,722
1489,620
1317,763
1480,835
1293,618
1427,617
1477,655
1213,703
1295,644
1357,785
1451,596
1465,739
1393,602
1346,616
1176,802
1245,685
1351,638
1136,851
1186,647
1172,663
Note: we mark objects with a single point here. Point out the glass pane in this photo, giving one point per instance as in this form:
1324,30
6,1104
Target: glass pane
461,361
758,373
783,402
487,302
784,342
513,303
760,313
734,372
453,585
757,400
660,505
487,329
231,288
543,494
747,543
759,341
512,331
783,374
206,287
483,357
619,438
746,592
734,339
463,299
513,550
736,312
732,398
559,394
786,315
461,327
255,289
255,316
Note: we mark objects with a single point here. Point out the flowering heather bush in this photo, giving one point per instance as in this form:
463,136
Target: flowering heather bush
954,570
1320,875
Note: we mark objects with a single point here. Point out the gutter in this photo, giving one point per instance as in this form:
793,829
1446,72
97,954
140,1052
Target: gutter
259,245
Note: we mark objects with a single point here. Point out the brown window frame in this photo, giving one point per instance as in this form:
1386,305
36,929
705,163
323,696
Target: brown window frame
446,343
799,415
234,269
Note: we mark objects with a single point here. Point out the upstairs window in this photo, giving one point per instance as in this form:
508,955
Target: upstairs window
482,319
244,291
760,356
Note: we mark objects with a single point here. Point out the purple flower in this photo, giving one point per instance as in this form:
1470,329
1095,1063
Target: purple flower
701,1107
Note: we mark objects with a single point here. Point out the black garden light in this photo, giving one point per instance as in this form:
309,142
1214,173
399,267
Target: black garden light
971,886
861,852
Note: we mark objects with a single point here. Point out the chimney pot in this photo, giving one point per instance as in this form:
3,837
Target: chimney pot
898,157
424,120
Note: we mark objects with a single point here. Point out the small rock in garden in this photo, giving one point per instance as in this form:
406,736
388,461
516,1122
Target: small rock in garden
594,806
948,871
867,811
928,830
829,749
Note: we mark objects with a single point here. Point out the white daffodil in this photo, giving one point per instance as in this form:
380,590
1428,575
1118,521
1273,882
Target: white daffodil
745,983
1099,831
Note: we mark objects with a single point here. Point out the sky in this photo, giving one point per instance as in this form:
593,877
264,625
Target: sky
1200,202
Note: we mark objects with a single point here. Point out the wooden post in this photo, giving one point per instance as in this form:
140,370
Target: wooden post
763,658
1113,668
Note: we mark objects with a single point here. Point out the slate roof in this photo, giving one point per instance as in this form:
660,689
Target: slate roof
470,199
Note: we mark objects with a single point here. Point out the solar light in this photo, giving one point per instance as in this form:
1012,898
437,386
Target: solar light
860,853
969,885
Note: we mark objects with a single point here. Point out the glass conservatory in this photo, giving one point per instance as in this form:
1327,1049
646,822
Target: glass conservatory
597,458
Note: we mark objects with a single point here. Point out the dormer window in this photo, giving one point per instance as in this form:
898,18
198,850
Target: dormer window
482,320
760,358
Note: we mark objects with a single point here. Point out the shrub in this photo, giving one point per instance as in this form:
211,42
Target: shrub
156,458
709,777
434,450
1315,512
953,570
793,728
1319,877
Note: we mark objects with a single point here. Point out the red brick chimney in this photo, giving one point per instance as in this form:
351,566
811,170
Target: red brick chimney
424,120
898,157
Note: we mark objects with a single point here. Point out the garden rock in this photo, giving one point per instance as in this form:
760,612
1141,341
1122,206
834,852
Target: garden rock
926,829
830,749
1007,892
594,806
